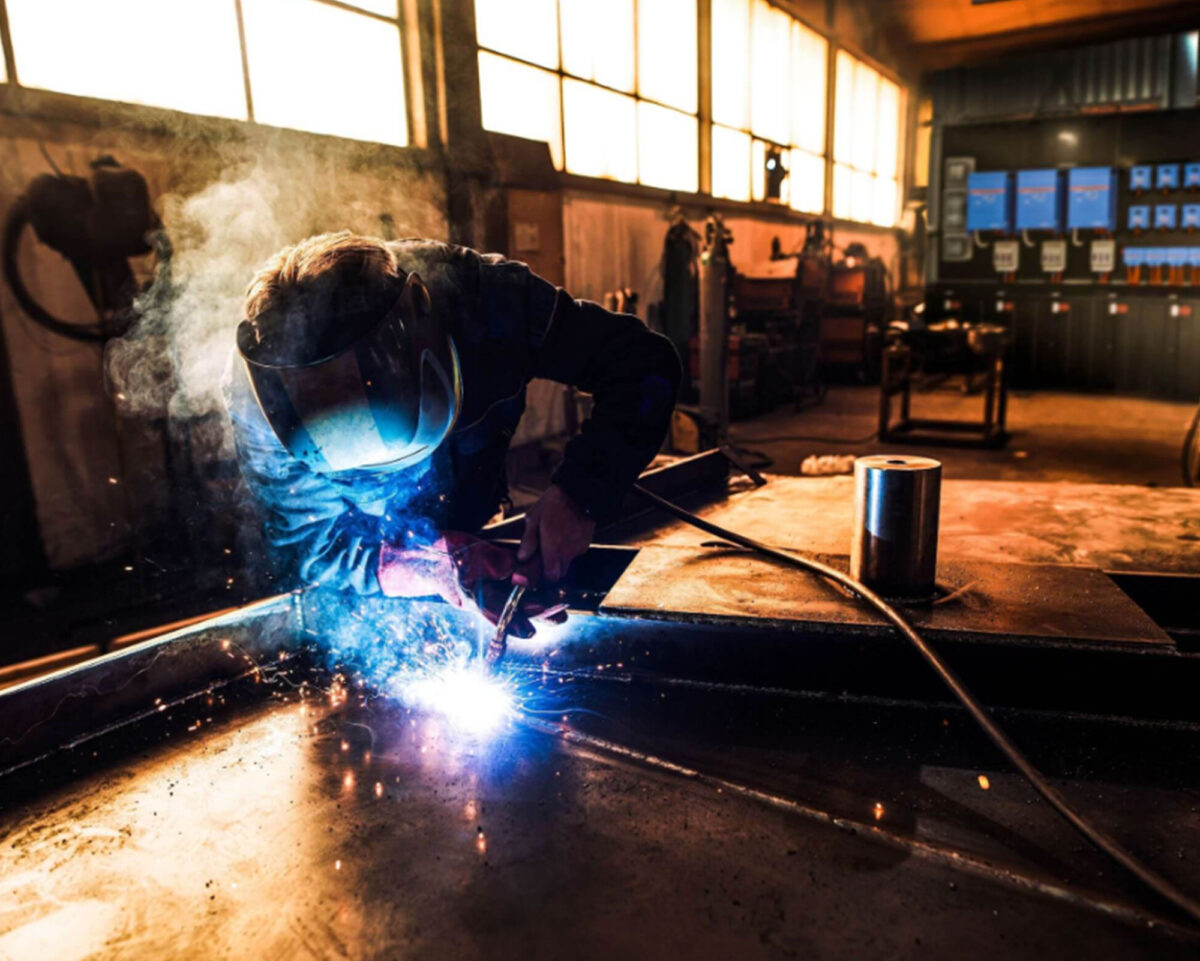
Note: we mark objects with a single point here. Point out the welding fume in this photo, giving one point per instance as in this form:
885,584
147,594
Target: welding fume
374,390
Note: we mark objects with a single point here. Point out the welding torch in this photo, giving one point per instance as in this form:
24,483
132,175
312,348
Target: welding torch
499,644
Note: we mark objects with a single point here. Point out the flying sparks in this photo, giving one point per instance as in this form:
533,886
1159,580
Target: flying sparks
472,702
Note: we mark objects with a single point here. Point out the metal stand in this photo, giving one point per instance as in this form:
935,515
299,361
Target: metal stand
896,379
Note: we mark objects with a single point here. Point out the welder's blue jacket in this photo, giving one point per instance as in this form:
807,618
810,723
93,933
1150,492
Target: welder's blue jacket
509,326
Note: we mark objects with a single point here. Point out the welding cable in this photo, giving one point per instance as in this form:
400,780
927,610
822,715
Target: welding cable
978,712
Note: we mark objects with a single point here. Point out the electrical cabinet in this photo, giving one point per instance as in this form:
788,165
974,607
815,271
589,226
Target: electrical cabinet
1091,198
989,201
1039,200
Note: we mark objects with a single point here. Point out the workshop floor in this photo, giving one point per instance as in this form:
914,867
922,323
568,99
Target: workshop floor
1055,436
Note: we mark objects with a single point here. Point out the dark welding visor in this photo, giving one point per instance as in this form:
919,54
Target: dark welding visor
385,397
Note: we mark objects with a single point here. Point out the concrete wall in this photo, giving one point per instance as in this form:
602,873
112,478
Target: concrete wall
96,457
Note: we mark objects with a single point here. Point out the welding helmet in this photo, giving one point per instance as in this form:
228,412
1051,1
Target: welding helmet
378,388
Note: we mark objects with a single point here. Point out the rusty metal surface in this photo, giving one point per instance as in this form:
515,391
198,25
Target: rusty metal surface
1110,526
1013,602
374,833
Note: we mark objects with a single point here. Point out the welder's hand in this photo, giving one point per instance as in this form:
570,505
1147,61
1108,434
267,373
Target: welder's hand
557,532
466,572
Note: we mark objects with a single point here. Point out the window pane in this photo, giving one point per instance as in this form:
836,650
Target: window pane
843,107
809,53
887,131
807,181
597,41
842,206
527,29
884,202
862,196
601,132
183,56
866,97
758,170
358,91
770,76
520,100
731,62
389,8
668,154
730,163
666,44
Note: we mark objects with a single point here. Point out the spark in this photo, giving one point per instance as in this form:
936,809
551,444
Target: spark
348,781
472,702
480,841
878,810
984,782
337,865
378,789
345,746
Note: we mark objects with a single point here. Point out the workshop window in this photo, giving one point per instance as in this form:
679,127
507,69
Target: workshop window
768,106
138,51
611,87
309,65
357,92
866,143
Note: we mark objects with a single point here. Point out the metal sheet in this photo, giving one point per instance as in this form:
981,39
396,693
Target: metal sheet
373,833
1009,601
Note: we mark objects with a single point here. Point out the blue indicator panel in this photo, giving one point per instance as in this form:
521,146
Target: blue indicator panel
1190,215
1091,198
1177,256
1155,256
1039,200
1194,256
1141,178
1191,175
1134,256
1139,217
1166,176
989,201
1164,216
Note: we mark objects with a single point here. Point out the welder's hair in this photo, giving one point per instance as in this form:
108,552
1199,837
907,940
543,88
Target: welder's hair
312,298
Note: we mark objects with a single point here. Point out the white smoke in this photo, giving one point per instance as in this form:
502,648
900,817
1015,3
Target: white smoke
171,361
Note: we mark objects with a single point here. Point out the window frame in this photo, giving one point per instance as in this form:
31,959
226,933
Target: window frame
705,125
788,148
903,138
413,94
563,75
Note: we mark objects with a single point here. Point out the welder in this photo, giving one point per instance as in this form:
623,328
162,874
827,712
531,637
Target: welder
374,392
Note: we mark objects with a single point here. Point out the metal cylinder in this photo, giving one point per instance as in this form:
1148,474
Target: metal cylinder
896,504
714,326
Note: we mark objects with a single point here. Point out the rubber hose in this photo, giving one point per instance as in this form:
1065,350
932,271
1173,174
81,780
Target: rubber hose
17,220
978,712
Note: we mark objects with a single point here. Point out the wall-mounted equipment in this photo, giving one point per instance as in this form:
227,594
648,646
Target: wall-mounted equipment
1054,256
1177,258
1164,216
1103,256
1166,176
989,201
1190,216
1039,200
1191,175
1141,178
1006,256
1134,259
1139,217
1091,198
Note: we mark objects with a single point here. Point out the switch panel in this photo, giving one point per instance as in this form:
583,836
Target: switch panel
1141,178
1006,256
1054,256
1103,256
989,201
1039,200
1164,216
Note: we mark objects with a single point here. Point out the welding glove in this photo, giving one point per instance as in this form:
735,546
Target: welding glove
468,573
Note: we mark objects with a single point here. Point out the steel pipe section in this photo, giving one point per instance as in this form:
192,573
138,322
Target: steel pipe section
895,537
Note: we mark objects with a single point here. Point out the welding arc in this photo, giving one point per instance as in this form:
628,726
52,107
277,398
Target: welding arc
978,712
